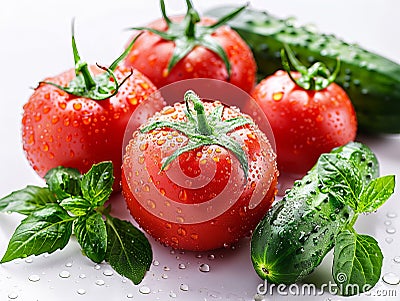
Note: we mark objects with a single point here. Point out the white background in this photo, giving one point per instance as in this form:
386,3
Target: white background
35,43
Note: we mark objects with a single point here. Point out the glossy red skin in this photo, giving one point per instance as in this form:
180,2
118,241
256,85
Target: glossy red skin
221,231
305,123
62,129
150,54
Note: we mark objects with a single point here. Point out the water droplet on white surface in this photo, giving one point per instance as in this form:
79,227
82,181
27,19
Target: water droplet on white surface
166,268
82,276
391,230
97,267
172,252
129,296
81,291
182,266
391,278
123,280
68,264
259,297
391,215
389,240
64,274
34,278
28,260
184,287
387,223
12,295
144,290
164,276
204,267
99,282
199,256
156,263
396,259
108,272
172,294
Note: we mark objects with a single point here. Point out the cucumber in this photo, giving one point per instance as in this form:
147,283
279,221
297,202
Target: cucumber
371,81
298,231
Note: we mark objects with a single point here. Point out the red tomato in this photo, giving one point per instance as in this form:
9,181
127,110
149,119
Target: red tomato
305,123
152,53
59,128
208,195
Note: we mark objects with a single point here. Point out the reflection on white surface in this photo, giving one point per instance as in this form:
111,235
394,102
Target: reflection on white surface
35,43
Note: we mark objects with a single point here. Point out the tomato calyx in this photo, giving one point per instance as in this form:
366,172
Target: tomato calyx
204,129
188,34
99,87
314,78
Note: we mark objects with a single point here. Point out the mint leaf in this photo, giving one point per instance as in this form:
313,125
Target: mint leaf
26,200
91,233
376,193
76,205
357,262
64,182
128,250
341,177
97,183
45,230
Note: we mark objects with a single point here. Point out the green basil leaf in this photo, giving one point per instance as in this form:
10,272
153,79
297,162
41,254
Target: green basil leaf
97,183
341,178
26,200
376,193
90,230
128,250
64,182
44,230
357,263
76,205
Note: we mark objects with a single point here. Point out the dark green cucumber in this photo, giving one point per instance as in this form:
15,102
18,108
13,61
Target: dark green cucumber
298,231
371,81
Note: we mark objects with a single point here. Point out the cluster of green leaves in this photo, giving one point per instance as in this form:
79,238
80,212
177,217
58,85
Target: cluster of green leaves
75,203
357,258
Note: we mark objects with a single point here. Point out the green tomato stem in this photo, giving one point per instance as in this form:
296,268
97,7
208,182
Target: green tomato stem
203,126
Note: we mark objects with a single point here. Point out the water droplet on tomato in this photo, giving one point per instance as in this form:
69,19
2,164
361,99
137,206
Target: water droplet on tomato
62,105
194,236
183,195
151,204
77,106
277,96
181,231
45,147
141,159
144,85
143,146
160,141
